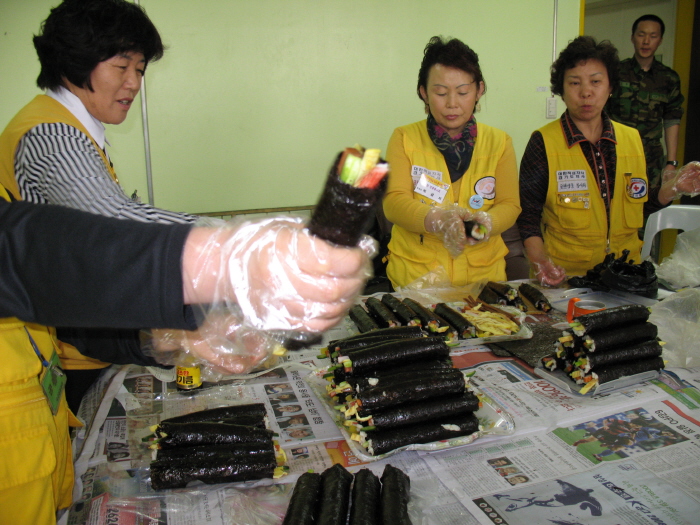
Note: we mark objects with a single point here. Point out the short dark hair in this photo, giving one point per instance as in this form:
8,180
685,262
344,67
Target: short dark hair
651,18
582,49
450,53
79,34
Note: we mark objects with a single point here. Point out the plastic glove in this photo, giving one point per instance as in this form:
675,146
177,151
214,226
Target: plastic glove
213,345
262,279
548,273
683,181
448,224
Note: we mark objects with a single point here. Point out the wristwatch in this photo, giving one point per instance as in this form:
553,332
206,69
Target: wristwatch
673,163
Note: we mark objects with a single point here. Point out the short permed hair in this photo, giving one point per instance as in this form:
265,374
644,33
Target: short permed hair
450,53
582,49
651,18
79,34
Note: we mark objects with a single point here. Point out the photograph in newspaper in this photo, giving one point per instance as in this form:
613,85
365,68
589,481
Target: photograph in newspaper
619,435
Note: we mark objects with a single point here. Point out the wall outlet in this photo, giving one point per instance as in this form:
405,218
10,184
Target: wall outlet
551,108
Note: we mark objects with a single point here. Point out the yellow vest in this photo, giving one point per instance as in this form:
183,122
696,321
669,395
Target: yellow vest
574,223
412,254
44,110
36,469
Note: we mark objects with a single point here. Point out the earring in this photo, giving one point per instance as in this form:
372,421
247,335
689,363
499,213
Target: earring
477,108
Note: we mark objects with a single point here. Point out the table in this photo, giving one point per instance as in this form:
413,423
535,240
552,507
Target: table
556,467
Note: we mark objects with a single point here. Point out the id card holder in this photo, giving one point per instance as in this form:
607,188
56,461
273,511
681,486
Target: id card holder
53,381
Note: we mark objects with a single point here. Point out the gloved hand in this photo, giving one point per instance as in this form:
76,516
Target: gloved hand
683,181
222,344
259,280
548,273
448,224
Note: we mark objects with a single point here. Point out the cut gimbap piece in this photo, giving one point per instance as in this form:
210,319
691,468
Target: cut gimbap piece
362,319
366,491
404,313
335,496
304,502
381,313
395,495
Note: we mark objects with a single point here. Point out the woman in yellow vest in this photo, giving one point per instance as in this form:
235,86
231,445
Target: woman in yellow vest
448,169
583,183
93,54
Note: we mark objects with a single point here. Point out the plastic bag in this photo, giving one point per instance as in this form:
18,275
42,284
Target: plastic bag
435,287
678,320
682,267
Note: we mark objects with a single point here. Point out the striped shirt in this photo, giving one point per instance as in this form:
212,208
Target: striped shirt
58,164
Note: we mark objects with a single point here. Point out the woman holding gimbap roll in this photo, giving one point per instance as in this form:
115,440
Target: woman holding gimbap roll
453,188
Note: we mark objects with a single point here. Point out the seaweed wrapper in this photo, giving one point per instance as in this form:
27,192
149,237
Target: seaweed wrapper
176,473
382,441
411,413
397,353
402,311
362,319
366,492
208,433
204,451
304,502
396,493
643,350
465,329
255,410
535,296
344,213
412,389
396,331
613,338
629,368
339,374
616,316
335,496
381,313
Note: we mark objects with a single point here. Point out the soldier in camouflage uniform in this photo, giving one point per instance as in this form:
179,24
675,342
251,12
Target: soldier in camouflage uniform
649,98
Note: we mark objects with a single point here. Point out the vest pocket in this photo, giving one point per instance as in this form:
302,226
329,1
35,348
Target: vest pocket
633,212
486,253
573,215
567,248
26,456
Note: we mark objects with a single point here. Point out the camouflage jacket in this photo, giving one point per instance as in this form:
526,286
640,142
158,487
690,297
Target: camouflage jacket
647,100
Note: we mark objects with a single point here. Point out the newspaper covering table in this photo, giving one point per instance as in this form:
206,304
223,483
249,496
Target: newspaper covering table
629,457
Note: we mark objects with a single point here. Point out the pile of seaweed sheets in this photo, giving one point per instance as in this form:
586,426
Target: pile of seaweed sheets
219,445
477,319
607,345
397,387
325,498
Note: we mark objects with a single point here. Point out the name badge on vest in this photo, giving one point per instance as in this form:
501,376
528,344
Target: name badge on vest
431,188
52,378
571,180
417,171
53,381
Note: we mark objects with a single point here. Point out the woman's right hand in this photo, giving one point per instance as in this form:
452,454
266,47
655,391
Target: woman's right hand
448,224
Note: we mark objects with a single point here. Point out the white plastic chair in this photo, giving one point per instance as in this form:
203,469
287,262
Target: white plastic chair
684,217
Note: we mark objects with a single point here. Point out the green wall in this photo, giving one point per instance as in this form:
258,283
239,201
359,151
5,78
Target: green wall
252,100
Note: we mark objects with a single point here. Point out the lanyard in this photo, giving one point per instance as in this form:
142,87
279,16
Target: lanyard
36,349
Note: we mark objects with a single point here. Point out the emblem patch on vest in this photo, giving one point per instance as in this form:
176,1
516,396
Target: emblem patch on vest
486,187
637,188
